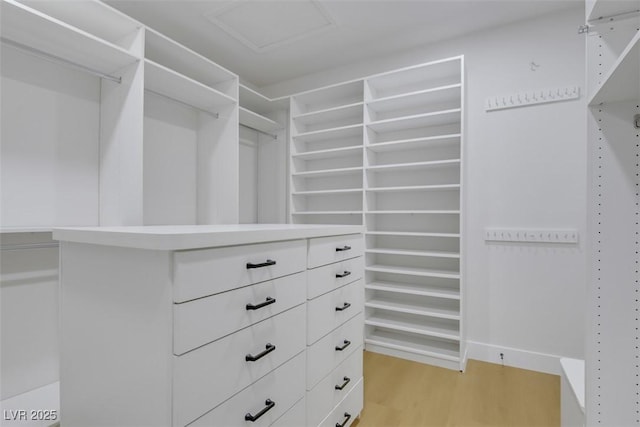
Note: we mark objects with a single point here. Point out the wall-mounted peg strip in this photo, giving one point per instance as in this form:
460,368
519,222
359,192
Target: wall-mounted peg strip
533,97
530,235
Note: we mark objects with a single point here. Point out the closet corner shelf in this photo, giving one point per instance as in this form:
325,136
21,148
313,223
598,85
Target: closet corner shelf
400,307
608,8
622,82
415,289
437,118
258,103
414,143
28,27
258,121
167,82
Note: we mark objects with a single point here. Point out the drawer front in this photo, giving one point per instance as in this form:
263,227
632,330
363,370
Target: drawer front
324,356
294,417
327,278
198,322
205,272
205,377
331,310
327,250
284,387
333,388
348,410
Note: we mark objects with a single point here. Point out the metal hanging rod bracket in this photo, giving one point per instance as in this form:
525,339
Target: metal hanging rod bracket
260,131
583,29
162,95
58,60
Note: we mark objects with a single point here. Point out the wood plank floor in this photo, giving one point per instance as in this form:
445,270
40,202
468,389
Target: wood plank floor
405,394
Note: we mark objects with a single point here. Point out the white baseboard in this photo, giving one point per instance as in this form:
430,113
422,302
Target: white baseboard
541,362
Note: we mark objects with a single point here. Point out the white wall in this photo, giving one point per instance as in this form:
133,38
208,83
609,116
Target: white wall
248,176
524,168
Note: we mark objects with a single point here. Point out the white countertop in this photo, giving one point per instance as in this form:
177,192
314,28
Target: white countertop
178,237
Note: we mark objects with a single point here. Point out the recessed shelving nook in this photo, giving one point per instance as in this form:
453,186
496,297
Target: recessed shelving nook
387,150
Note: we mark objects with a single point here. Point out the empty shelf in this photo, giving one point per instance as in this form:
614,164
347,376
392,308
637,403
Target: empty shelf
438,118
326,192
331,133
446,329
441,187
327,213
412,234
259,103
328,154
412,344
415,165
622,82
330,114
340,171
430,254
416,99
608,8
162,80
413,271
413,212
414,143
28,27
257,121
415,289
419,310
26,229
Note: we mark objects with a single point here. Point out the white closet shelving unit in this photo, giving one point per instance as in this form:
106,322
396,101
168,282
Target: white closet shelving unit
613,78
187,173
263,157
387,151
326,155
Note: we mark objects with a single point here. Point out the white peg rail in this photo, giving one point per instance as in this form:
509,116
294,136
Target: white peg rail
529,235
532,97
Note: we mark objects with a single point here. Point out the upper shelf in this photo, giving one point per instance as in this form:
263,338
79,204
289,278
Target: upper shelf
29,27
416,99
327,97
258,103
169,83
257,121
623,81
598,9
438,118
168,53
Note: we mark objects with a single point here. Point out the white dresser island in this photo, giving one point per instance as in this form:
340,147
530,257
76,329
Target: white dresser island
224,325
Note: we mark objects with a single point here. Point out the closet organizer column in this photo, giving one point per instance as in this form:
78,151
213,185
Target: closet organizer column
413,213
326,169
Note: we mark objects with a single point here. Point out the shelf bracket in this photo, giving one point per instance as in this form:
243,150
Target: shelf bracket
636,121
583,29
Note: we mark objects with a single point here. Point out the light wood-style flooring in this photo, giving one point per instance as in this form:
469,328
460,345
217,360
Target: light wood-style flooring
402,393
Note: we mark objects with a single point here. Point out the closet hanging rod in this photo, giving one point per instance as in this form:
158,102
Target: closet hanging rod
162,95
58,60
259,131
23,246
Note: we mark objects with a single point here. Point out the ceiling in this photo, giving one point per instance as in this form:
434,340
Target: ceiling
269,41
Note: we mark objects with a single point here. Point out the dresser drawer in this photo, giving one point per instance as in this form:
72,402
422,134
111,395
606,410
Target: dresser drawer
282,387
208,375
348,409
206,319
327,250
324,355
331,310
204,272
333,388
295,417
329,277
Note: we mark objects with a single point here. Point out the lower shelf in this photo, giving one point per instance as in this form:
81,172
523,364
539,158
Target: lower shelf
413,271
415,289
446,329
413,344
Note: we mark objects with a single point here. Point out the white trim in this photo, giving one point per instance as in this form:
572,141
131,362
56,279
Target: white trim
517,358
